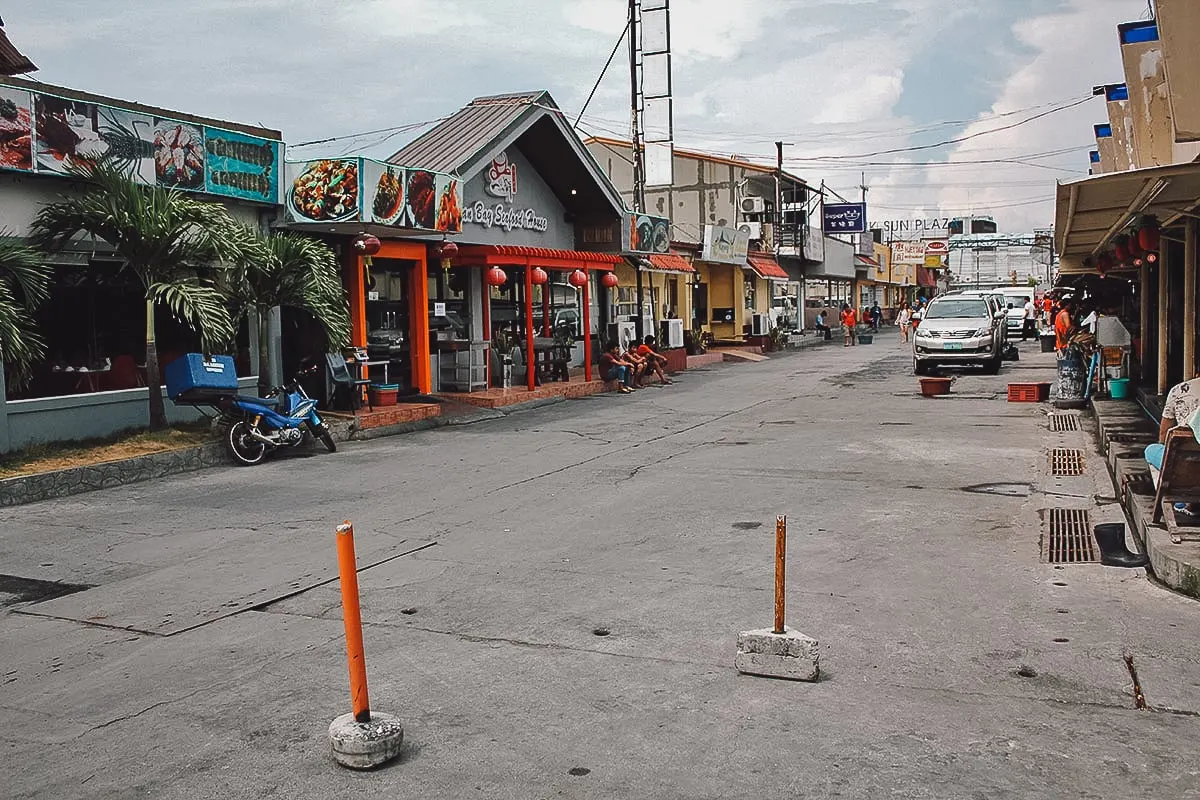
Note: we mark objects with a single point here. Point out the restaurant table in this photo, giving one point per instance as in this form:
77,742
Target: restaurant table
384,363
551,359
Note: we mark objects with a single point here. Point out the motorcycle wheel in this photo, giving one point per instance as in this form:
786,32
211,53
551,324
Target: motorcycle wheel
245,448
325,436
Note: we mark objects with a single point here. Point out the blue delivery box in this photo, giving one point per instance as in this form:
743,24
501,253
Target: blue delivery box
194,378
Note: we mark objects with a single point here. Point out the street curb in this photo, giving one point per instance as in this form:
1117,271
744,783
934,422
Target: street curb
26,489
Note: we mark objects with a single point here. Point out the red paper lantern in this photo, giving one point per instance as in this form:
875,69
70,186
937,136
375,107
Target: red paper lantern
578,278
1135,246
1121,249
1148,236
495,277
366,244
1104,262
610,280
538,276
447,252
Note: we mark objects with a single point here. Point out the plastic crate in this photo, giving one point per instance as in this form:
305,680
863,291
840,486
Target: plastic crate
1028,392
194,378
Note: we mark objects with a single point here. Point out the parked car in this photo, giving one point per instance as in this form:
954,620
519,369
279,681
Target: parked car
960,329
998,304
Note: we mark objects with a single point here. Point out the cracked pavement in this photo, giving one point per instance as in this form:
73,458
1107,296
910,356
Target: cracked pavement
207,660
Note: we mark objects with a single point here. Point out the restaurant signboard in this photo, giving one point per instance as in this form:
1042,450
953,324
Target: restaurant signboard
725,245
43,133
645,233
356,189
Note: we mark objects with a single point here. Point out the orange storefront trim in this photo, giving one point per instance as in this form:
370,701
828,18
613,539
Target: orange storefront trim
356,287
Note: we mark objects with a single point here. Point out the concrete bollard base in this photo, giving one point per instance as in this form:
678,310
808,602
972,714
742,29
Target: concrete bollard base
365,745
789,655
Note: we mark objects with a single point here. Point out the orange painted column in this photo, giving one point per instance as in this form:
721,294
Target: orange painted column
530,366
354,279
418,313
587,327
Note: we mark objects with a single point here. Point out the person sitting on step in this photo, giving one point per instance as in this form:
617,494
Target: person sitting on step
615,368
654,360
1182,402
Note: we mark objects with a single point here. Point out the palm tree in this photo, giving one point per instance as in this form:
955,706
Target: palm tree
174,243
293,271
24,285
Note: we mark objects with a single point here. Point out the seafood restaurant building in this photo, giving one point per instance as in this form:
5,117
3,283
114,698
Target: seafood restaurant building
92,382
488,241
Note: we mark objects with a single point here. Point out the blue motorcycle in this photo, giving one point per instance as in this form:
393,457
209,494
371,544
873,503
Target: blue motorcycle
257,426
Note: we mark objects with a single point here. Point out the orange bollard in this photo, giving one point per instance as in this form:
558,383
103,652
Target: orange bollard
780,553
348,572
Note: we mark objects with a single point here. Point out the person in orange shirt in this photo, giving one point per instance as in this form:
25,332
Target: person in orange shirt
1063,326
849,321
654,360
1047,310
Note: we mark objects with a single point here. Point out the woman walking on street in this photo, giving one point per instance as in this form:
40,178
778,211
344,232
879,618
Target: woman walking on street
849,325
903,318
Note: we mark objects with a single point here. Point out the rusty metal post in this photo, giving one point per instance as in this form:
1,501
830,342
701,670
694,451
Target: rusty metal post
780,553
351,616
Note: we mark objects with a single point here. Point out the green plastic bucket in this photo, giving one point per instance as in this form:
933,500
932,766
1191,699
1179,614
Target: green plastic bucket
1118,388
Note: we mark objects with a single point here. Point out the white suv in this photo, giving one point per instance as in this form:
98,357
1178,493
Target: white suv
959,329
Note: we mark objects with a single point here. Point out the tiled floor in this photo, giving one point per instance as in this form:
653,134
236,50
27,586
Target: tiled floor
498,398
382,416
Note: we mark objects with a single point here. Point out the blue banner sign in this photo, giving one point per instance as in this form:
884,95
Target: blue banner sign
845,218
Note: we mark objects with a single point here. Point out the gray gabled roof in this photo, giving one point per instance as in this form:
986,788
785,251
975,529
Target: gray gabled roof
457,140
464,143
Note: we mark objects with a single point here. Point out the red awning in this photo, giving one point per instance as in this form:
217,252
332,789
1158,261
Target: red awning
867,261
669,262
767,267
546,257
925,278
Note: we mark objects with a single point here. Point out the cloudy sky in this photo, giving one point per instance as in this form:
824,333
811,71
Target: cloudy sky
839,80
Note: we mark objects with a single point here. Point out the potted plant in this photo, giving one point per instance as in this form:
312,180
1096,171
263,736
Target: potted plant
694,341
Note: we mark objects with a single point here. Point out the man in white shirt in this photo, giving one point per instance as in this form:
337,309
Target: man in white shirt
1182,401
1030,326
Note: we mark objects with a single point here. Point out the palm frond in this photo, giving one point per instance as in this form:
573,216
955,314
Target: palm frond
24,285
201,306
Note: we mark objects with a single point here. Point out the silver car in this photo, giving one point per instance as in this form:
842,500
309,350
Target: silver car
959,329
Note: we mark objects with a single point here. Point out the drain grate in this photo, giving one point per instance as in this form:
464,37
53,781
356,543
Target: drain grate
1069,537
1066,461
1064,422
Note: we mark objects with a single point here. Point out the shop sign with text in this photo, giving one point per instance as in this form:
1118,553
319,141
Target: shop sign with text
845,217
47,134
725,245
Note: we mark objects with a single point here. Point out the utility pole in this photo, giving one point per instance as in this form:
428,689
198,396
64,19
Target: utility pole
639,163
778,197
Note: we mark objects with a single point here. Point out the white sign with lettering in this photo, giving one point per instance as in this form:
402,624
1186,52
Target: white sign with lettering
503,216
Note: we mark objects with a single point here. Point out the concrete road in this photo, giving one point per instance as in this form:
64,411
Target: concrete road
207,659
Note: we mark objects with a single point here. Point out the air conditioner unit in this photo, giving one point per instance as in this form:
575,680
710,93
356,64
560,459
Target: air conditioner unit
672,333
754,230
760,325
623,333
753,205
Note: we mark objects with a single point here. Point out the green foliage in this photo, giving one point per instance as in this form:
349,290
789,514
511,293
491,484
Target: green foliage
287,269
167,238
24,285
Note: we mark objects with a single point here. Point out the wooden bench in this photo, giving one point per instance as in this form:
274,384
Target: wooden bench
1179,483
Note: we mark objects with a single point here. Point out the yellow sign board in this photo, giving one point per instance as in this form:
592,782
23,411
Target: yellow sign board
933,262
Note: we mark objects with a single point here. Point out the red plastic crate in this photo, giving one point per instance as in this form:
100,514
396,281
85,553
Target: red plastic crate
1028,392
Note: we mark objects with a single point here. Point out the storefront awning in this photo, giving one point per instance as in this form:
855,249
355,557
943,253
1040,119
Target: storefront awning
925,278
1090,212
662,262
545,257
867,261
767,267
